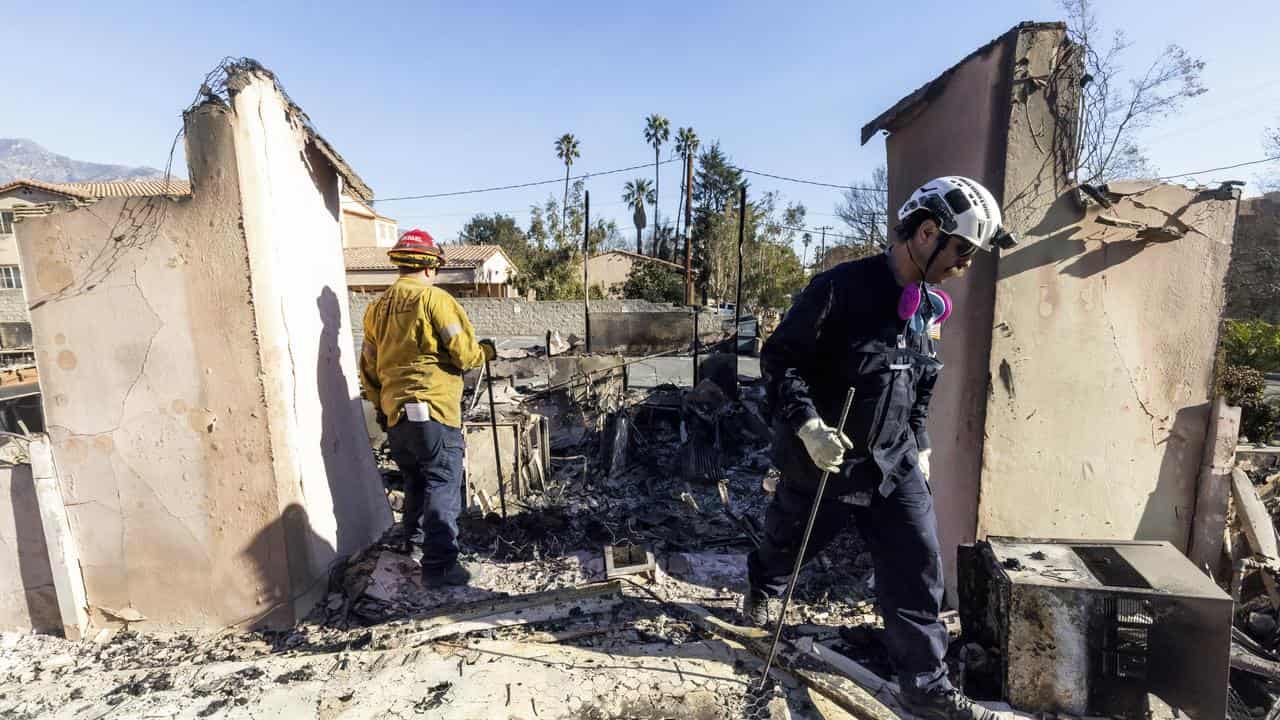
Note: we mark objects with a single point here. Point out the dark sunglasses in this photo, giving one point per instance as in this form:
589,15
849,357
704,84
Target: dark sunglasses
966,248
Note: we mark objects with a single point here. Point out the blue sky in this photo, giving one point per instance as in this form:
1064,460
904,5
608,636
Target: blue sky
425,97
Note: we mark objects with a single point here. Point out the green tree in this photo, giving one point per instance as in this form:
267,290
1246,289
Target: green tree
771,270
1251,343
567,151
655,282
687,143
715,184
657,130
496,229
717,180
635,194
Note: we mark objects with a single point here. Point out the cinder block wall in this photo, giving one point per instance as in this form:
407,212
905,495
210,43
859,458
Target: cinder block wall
513,317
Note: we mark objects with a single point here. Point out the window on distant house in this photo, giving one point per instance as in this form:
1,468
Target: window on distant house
10,279
6,222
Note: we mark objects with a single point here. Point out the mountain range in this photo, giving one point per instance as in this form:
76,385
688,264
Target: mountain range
26,159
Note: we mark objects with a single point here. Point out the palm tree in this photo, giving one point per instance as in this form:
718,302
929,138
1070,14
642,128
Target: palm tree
635,194
687,143
657,130
567,151
806,240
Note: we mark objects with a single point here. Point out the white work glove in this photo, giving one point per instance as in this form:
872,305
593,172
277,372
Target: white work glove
825,444
924,462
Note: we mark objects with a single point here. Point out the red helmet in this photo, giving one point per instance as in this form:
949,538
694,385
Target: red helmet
416,249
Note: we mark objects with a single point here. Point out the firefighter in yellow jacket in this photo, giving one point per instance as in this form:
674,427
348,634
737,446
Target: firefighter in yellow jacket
417,343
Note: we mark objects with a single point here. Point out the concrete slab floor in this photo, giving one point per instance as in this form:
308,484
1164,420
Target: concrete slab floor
501,677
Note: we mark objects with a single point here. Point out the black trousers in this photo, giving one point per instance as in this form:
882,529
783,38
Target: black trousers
429,455
901,532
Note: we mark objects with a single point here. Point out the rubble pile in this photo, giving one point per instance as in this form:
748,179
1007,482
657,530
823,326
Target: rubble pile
1255,586
532,630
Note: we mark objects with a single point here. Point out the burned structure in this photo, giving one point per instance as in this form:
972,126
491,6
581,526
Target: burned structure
197,377
196,359
1095,628
1070,405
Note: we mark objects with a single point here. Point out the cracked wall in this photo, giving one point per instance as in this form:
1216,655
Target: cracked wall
290,198
1074,398
1104,349
187,451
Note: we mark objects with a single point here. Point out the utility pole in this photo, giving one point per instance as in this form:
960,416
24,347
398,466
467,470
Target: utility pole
688,215
586,249
823,253
737,303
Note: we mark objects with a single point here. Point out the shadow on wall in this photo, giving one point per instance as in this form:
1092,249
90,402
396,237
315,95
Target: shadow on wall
342,442
283,553
35,573
1163,518
1060,240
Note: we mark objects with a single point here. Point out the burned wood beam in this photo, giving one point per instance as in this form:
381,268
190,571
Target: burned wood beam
504,612
1245,661
843,691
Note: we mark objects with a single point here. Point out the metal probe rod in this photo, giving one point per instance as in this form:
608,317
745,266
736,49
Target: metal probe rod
497,452
804,544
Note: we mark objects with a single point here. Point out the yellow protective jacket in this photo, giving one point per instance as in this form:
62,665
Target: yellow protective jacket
417,343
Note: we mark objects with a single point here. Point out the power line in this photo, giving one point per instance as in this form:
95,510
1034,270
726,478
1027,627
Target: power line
645,166
811,182
518,186
1224,167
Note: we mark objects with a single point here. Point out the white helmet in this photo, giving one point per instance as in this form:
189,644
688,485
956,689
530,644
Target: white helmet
962,207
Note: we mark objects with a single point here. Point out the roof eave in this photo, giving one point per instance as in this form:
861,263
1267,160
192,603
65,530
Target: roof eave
890,119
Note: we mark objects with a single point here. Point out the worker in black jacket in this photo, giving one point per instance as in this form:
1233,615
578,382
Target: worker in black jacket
871,325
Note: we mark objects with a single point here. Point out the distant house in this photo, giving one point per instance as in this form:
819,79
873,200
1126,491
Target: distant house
362,226
33,197
468,271
609,270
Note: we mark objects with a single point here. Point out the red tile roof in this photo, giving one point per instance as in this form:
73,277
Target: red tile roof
98,190
456,257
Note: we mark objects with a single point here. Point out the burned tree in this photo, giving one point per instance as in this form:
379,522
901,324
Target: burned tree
1113,113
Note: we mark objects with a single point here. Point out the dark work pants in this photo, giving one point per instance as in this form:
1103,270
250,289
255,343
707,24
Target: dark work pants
430,458
902,534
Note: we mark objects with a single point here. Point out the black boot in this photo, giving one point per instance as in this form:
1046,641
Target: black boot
755,608
452,574
949,704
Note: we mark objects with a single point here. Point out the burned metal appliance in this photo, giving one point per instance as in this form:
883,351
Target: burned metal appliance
1092,628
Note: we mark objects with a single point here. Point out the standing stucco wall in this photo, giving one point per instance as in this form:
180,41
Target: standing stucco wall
1103,360
27,598
954,135
1102,356
358,230
197,396
322,460
144,336
1074,398
608,270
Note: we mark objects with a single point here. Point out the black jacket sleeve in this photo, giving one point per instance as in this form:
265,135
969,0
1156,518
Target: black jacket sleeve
792,352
